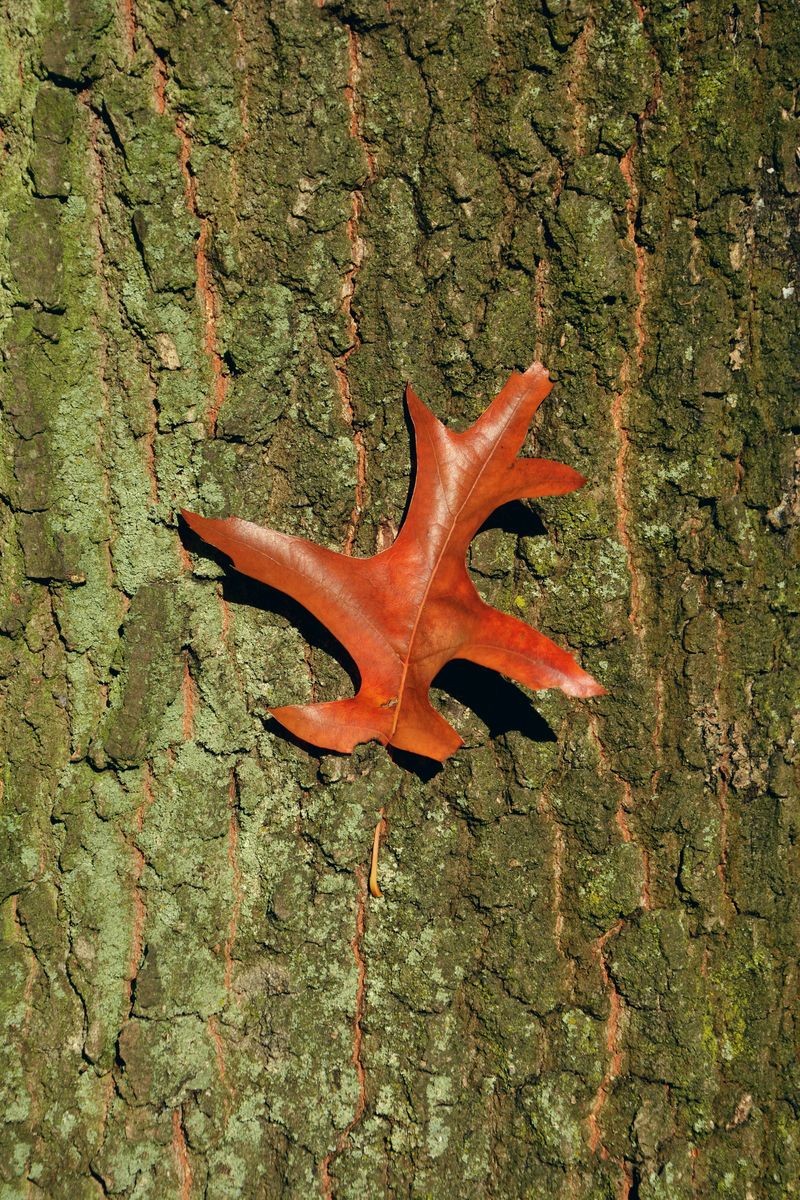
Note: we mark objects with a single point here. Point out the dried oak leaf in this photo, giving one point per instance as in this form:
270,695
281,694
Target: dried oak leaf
406,612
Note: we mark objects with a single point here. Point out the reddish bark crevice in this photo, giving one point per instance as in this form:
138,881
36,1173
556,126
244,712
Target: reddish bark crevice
127,14
621,500
357,250
579,60
241,66
623,808
558,859
356,1059
612,1043
97,176
236,881
206,288
139,905
23,939
33,965
639,279
159,83
629,380
189,699
219,1054
180,1151
540,282
150,448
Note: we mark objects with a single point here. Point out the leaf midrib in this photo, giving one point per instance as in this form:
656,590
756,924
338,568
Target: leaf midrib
436,565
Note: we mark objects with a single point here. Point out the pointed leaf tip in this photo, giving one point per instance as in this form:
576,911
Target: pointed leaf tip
192,519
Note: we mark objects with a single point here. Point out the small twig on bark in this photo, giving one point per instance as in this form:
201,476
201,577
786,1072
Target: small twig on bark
374,888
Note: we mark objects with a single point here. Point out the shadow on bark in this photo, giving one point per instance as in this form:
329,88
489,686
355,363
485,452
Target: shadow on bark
499,704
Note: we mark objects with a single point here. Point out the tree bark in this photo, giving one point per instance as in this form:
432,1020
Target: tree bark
231,234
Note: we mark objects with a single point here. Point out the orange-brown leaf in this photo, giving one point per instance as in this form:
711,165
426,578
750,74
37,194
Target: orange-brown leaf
403,614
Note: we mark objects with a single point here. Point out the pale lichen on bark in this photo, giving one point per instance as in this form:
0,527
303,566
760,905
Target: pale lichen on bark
232,233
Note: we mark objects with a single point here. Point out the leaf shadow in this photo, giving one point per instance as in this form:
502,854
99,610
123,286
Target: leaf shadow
515,517
241,589
499,704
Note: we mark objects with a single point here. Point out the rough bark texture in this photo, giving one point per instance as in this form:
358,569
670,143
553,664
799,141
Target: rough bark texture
229,235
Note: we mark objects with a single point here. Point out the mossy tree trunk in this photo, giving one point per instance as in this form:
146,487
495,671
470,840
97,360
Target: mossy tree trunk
230,234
